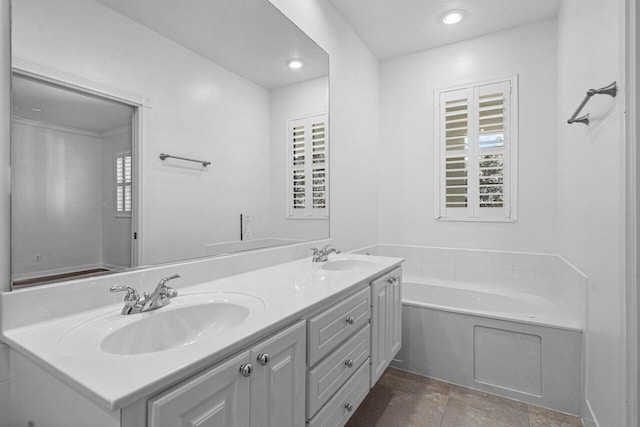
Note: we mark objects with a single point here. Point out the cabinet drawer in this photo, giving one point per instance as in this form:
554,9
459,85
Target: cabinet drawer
333,326
335,412
326,378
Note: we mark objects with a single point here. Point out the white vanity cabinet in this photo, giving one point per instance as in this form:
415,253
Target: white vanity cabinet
386,321
315,371
349,345
338,350
263,386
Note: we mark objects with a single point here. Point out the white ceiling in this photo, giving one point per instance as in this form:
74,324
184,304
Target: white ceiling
392,28
249,37
66,108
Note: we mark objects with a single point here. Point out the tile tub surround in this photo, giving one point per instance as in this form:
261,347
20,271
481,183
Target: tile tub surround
409,400
287,290
546,275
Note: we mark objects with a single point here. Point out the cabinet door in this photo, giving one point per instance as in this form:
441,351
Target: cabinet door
218,397
278,380
380,335
395,312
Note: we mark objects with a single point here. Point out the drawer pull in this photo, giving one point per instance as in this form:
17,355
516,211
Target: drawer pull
349,363
246,369
348,406
391,280
351,320
263,359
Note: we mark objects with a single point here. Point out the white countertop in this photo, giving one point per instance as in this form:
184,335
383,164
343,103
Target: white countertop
286,291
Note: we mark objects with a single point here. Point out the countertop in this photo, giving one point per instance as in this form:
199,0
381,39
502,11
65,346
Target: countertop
286,291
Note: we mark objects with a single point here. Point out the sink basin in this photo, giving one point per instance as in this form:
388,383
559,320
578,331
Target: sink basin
190,319
347,264
163,330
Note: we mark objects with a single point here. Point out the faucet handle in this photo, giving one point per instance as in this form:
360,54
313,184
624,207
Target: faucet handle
132,294
164,280
167,291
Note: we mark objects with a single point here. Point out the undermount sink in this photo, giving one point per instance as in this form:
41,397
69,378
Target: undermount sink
347,264
163,330
189,319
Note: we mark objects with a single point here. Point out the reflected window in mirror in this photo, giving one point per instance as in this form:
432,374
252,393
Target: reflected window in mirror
124,184
308,165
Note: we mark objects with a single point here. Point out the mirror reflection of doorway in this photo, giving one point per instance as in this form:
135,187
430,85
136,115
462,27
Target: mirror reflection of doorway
71,183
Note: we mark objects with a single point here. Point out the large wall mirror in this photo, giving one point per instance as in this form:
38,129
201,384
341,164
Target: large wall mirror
153,131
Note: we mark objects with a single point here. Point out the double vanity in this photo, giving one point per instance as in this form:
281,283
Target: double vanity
295,343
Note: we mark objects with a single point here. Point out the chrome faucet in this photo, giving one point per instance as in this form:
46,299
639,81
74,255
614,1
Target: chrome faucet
321,255
160,297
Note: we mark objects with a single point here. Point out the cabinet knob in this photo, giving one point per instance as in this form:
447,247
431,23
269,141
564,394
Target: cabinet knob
349,363
263,358
348,406
351,320
246,369
391,280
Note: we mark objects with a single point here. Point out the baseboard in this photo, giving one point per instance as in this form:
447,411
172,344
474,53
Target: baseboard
113,267
55,271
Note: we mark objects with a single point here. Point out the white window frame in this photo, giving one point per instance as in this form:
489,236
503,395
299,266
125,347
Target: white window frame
309,213
511,157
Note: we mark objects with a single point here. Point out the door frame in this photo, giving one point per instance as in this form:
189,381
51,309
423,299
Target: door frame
25,68
632,197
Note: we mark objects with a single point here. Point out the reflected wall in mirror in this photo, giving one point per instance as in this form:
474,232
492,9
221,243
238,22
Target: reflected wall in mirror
211,82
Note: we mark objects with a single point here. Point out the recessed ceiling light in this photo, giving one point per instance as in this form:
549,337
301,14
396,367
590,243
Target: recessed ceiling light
452,17
295,64
37,110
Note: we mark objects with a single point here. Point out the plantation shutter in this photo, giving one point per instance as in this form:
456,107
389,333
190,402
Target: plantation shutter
319,163
493,106
308,171
124,184
455,109
474,147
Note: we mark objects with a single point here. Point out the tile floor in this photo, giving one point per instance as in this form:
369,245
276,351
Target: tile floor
403,399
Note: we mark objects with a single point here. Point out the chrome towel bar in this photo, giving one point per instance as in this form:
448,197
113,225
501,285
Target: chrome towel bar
611,90
166,156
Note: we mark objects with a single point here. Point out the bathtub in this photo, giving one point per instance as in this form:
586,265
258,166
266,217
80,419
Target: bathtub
490,302
513,344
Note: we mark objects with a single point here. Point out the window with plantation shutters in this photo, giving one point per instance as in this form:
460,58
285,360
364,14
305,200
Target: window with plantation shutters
476,152
124,184
307,167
